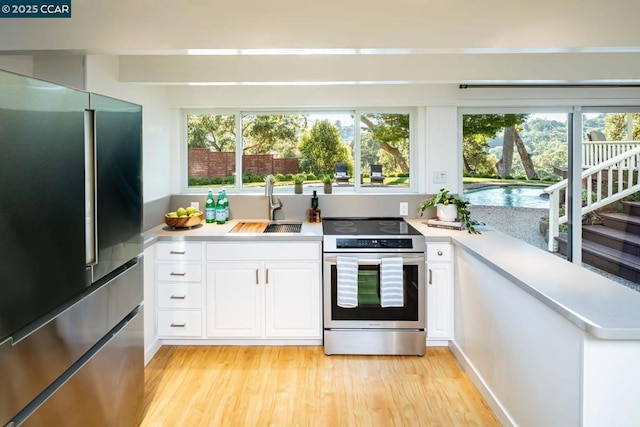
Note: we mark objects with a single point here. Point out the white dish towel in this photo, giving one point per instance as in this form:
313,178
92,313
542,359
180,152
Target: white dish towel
347,281
391,288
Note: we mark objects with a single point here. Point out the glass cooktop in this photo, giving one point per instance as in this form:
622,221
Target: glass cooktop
367,227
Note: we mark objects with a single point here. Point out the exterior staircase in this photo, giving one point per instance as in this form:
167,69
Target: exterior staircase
613,246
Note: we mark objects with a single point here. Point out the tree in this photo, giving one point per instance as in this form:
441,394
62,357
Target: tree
321,148
213,131
615,126
391,131
525,157
476,130
511,137
270,133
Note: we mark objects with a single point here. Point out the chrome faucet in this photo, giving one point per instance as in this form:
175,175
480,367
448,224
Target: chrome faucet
274,202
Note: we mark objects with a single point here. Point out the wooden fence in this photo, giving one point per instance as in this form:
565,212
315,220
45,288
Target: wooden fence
212,164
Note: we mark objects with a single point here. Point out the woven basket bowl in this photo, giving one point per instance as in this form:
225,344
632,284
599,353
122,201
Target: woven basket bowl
183,221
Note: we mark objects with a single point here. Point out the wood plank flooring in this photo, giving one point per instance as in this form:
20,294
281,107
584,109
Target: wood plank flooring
300,386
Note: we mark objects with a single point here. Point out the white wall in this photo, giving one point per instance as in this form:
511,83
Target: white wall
527,356
102,77
21,64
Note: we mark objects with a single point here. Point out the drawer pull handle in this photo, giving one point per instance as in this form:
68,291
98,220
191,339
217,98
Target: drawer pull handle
178,297
266,282
257,278
178,325
430,276
439,253
177,274
178,252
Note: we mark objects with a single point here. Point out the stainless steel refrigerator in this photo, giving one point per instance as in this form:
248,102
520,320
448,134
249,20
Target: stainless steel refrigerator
71,265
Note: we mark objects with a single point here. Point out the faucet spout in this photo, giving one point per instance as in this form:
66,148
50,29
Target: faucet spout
274,202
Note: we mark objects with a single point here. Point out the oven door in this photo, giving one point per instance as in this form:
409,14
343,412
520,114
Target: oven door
369,314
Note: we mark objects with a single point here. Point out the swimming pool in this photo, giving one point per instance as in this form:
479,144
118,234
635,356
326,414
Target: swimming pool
510,196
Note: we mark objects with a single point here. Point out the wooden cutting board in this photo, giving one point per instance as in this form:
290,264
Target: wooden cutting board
249,227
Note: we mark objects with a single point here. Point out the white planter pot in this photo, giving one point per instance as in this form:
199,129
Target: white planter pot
447,212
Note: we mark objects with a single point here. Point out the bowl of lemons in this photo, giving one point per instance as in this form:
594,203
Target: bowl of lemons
183,218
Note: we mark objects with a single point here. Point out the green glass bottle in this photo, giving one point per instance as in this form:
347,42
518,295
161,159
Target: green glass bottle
220,211
210,209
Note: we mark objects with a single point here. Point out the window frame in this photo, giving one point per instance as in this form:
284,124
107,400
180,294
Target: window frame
238,187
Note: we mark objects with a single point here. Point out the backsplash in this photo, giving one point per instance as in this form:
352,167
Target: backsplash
294,206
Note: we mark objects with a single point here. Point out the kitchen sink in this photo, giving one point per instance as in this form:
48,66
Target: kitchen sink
282,227
267,227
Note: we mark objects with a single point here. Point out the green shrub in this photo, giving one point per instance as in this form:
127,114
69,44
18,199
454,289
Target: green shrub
280,177
311,177
403,175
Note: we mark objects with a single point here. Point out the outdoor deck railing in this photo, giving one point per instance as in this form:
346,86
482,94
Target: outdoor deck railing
596,152
604,183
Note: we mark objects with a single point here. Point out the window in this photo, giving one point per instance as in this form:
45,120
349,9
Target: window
315,147
211,150
516,176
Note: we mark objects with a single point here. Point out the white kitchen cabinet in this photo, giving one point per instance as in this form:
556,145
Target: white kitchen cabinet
179,289
234,300
264,290
439,284
292,299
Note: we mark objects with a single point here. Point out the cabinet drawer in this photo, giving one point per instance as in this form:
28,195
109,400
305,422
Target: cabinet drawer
264,251
179,323
180,295
179,251
439,252
179,272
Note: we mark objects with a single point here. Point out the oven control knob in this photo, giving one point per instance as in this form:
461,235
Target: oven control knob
439,253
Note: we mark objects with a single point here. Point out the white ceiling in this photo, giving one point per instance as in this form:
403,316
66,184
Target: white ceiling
345,41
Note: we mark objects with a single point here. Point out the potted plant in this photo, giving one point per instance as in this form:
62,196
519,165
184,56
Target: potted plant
298,180
327,180
451,208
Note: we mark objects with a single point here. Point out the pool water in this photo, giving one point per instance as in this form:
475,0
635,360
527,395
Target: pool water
510,196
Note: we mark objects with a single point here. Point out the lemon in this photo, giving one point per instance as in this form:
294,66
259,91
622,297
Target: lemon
172,214
181,212
191,210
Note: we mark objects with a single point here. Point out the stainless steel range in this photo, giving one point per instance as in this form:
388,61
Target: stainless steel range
373,287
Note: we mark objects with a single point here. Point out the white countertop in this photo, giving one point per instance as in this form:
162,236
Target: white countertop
602,307
309,231
605,309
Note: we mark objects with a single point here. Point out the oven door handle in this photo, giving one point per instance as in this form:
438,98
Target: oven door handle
360,261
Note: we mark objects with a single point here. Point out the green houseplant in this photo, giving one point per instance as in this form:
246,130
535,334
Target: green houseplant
298,180
327,180
445,199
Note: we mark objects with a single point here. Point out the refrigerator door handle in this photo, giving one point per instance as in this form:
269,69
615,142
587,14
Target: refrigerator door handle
90,177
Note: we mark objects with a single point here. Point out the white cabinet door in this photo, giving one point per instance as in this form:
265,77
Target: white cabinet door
234,296
439,300
292,300
439,257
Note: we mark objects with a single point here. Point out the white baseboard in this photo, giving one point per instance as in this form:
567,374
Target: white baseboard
229,342
437,343
482,387
151,351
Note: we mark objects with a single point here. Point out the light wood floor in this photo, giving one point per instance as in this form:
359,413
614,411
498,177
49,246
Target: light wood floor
300,386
